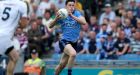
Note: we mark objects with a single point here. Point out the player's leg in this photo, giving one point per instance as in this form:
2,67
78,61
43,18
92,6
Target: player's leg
13,57
62,64
69,50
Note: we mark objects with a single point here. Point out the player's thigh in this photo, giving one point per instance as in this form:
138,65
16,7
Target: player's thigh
7,48
69,50
64,58
5,43
13,55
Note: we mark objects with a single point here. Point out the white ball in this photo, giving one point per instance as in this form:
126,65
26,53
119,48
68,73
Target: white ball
63,13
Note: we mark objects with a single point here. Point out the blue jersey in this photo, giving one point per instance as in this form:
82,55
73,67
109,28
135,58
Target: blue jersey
70,27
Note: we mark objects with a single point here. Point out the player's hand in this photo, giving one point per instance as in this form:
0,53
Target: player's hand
58,16
70,12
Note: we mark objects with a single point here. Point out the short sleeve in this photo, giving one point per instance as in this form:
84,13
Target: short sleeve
77,13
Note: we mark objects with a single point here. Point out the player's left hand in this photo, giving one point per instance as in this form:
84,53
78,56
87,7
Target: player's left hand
70,14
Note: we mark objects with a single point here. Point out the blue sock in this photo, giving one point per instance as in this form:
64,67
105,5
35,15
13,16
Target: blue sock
69,71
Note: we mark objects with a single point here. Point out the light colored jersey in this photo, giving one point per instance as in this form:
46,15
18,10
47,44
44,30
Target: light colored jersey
10,13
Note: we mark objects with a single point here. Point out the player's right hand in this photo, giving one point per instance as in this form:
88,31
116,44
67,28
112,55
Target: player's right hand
58,15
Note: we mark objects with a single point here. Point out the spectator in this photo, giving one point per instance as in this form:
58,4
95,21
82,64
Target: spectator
138,11
118,21
93,24
107,14
122,44
123,17
59,3
85,29
132,6
22,38
35,2
33,16
88,44
114,29
85,46
127,28
102,32
45,35
101,52
135,43
92,43
109,46
78,5
85,40
132,18
35,64
106,47
44,4
35,36
120,9
53,10
47,18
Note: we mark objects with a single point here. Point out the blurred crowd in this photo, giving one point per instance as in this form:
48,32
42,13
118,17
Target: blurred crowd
112,29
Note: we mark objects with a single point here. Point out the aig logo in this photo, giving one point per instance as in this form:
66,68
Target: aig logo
106,72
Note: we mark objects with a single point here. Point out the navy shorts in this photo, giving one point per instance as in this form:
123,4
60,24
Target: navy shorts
63,43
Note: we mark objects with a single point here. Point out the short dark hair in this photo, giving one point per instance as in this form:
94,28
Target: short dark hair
104,24
69,1
47,11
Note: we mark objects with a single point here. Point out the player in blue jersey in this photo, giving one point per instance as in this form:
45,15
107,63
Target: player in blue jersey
70,33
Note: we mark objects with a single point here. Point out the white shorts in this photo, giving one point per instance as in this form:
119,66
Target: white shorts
5,43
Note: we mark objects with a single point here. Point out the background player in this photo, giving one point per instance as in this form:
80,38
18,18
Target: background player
11,13
70,32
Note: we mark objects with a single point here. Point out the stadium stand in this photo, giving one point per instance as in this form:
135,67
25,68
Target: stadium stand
90,60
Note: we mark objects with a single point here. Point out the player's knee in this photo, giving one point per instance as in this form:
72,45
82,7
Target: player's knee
73,54
15,59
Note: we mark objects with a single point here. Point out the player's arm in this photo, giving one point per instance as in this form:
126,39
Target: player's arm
79,19
53,22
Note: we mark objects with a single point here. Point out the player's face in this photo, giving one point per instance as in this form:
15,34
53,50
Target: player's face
70,6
